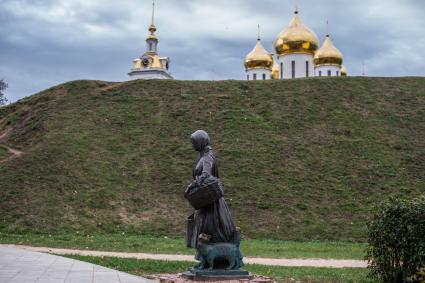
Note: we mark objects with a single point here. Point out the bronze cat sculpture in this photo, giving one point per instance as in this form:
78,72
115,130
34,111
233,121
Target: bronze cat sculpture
211,253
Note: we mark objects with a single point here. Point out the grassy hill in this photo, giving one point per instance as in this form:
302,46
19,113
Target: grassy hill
300,159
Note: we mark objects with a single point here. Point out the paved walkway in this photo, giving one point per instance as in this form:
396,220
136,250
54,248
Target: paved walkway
313,262
24,266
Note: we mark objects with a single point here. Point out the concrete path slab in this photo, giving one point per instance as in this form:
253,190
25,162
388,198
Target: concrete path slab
24,266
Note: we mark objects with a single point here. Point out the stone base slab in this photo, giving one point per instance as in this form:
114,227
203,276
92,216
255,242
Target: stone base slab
239,276
216,275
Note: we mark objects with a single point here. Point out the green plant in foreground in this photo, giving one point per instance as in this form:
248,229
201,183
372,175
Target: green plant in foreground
396,243
419,277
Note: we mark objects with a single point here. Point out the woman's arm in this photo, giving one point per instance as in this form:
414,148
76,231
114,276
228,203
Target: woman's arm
207,165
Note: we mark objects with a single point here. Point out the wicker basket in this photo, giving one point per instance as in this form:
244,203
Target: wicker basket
205,194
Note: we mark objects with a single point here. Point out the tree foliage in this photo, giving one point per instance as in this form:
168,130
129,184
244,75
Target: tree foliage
3,86
396,241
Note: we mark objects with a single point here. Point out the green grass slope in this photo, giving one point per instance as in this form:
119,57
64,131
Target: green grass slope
300,159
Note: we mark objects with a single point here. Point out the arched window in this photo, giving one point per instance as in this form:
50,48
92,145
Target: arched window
293,69
329,73
306,69
264,77
255,76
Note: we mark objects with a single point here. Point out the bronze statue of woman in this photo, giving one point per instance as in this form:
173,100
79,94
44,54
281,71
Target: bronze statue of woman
210,229
215,219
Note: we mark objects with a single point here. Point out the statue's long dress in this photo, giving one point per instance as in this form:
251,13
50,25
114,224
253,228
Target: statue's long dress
215,219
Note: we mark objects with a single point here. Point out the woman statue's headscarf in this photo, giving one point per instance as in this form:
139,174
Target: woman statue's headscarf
200,140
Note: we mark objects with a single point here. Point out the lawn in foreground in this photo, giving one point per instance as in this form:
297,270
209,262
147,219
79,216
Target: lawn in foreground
166,245
281,274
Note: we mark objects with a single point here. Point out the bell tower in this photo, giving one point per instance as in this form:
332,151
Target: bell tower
150,65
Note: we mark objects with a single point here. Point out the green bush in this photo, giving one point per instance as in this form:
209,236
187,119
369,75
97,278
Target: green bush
419,277
396,240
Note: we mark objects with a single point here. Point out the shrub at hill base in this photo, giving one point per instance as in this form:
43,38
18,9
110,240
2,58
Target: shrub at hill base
396,241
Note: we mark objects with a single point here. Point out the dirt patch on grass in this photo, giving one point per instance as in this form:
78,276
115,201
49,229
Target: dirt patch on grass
14,153
130,218
5,133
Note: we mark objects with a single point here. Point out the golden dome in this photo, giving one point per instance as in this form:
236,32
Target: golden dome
343,71
296,38
259,58
275,71
328,54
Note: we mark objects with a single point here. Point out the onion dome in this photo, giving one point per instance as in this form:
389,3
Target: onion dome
328,54
343,71
259,58
296,38
275,71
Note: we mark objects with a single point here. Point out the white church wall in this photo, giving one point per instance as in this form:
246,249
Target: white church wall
328,71
258,74
302,63
150,74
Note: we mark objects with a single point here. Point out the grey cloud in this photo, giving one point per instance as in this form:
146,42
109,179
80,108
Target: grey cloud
46,42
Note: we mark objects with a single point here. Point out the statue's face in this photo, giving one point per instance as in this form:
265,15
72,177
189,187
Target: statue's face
195,145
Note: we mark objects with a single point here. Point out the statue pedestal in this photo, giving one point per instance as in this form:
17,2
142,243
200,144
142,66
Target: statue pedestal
216,275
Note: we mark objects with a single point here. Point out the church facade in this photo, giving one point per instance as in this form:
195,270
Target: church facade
297,55
150,65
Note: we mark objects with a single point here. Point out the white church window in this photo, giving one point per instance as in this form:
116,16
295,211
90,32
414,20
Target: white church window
255,76
306,69
264,76
329,73
293,69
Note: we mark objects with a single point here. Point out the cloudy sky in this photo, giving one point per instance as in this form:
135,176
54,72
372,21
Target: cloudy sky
47,42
